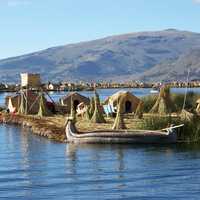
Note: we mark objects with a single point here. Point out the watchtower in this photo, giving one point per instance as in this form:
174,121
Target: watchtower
30,80
32,95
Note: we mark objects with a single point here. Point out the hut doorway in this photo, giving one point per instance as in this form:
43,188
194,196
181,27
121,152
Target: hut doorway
76,102
128,107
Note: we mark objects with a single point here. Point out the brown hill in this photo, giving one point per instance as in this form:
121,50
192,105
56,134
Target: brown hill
122,57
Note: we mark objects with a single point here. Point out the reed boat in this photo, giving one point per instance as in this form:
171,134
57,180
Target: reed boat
164,136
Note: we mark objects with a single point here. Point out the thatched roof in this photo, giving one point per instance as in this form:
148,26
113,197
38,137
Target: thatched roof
75,96
120,94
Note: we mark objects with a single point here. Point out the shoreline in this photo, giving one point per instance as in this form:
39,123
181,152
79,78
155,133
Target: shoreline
91,89
53,128
38,126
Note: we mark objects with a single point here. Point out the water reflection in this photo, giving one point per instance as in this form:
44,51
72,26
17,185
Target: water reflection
120,159
71,158
35,168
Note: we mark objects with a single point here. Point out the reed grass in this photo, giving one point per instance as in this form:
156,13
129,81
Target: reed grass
189,133
190,103
177,101
155,122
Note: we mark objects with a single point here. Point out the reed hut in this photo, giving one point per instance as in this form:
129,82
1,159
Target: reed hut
76,100
27,101
129,102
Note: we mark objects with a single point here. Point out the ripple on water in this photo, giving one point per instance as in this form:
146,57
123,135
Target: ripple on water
35,168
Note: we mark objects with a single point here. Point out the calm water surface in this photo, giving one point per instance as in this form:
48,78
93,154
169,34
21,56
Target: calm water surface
33,168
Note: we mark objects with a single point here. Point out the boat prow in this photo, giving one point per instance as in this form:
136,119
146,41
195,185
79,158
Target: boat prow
165,136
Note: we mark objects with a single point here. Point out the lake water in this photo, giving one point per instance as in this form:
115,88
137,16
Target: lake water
33,167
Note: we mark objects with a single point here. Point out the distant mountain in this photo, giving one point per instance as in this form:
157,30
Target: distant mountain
176,69
161,55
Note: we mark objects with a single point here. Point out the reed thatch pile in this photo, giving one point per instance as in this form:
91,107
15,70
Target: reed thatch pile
43,110
92,106
186,116
21,109
97,116
198,106
72,111
139,111
87,114
163,103
89,109
119,120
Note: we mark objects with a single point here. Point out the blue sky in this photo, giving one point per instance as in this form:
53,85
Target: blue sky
31,25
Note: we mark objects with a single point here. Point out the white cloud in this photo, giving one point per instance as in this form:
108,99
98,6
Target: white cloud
14,3
196,1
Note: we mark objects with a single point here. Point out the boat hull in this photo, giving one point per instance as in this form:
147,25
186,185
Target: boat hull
120,137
